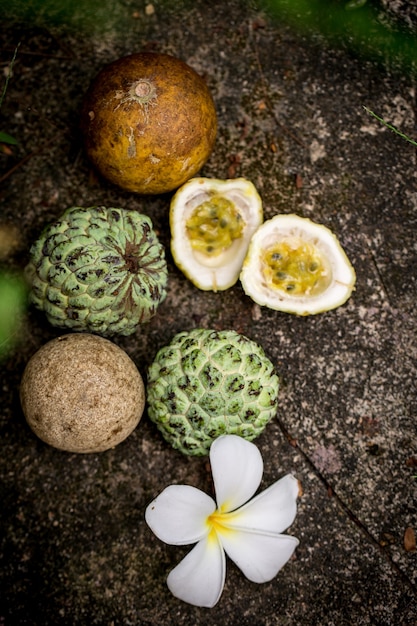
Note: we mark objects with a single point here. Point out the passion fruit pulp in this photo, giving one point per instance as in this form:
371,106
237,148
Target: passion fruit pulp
297,266
213,226
212,222
149,122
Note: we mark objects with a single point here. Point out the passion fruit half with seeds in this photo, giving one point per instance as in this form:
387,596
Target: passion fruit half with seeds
212,222
149,122
297,266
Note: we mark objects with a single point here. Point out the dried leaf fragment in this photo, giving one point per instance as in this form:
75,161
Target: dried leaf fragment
409,539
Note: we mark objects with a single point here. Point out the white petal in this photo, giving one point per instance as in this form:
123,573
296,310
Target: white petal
237,467
271,511
199,578
259,556
178,515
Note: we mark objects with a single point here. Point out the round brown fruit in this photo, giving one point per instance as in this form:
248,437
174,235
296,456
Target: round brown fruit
82,393
149,122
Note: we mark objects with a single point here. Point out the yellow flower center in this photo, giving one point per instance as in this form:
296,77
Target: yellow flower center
219,522
216,520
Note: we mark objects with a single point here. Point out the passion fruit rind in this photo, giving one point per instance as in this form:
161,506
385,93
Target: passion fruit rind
297,266
212,222
208,383
98,269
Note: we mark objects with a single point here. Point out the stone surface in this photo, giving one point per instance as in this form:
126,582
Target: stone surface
75,548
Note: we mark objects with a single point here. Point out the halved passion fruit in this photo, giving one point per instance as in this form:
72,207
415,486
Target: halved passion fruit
212,222
297,266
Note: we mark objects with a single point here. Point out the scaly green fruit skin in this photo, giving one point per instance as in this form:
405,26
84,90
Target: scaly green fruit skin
208,383
99,269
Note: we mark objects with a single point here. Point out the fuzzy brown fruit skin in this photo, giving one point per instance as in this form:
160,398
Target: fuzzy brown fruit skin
149,122
82,393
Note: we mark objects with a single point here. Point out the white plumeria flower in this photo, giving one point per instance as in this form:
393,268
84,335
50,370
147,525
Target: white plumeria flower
250,534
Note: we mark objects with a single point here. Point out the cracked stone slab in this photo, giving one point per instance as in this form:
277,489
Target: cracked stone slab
74,544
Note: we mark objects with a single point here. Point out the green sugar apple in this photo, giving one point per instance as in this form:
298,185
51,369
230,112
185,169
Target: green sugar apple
98,269
208,383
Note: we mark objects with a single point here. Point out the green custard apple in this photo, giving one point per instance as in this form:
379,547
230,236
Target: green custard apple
98,269
208,383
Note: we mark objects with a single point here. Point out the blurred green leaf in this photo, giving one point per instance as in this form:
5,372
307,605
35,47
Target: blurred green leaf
361,30
92,16
6,138
13,302
355,4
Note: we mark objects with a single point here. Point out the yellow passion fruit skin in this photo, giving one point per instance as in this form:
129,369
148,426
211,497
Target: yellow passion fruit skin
149,122
212,222
297,266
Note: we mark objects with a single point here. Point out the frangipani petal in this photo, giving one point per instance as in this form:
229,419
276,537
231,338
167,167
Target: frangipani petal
248,532
259,556
237,467
199,578
178,515
271,511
